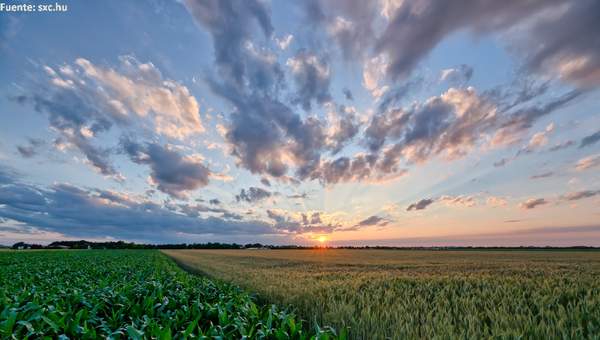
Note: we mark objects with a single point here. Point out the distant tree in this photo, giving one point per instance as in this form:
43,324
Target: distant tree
23,245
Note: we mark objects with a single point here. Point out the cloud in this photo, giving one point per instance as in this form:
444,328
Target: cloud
284,222
265,181
561,146
417,27
574,196
502,162
361,167
311,76
198,210
450,124
171,172
214,201
231,25
587,163
253,195
458,75
349,23
533,28
83,100
590,140
516,122
373,220
300,224
551,47
284,42
374,73
315,218
31,149
422,204
542,175
532,203
539,139
494,201
347,94
298,196
342,127
8,175
140,89
79,212
519,121
536,142
267,136
461,201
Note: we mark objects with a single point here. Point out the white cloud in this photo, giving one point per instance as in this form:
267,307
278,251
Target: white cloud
284,42
374,72
139,89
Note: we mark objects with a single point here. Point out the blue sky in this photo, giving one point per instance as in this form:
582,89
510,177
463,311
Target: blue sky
384,122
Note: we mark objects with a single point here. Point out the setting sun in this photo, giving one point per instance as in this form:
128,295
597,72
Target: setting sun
322,239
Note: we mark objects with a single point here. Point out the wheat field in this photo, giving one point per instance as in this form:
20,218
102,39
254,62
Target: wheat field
379,294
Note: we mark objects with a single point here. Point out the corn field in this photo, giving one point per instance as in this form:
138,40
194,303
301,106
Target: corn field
133,294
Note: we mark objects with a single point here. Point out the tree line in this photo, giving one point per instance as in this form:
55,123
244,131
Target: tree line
82,244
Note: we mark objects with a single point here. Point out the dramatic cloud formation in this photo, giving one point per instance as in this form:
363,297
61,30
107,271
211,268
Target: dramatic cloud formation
268,137
82,212
294,120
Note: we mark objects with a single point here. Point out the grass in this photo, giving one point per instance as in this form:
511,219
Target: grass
422,294
132,294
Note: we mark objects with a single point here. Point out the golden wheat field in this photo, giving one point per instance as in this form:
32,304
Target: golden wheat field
421,294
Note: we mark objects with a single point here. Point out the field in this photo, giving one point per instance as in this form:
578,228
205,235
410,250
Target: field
422,294
128,294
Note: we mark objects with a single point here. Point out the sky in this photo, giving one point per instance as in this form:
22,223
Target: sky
343,122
